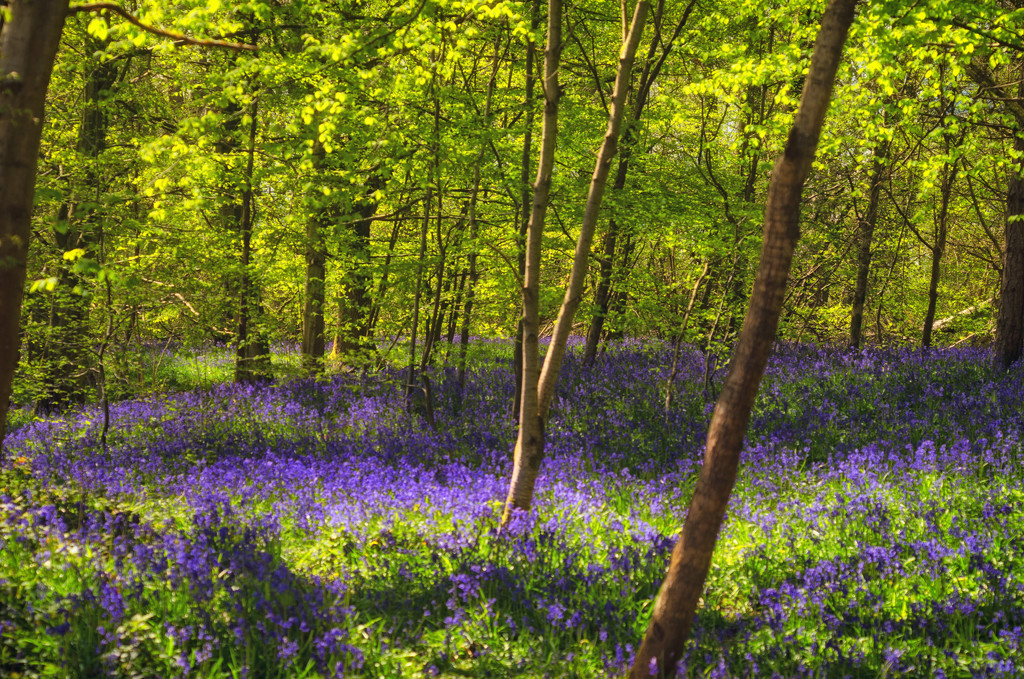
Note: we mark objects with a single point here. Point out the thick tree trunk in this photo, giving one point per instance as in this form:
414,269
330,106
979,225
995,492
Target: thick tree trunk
539,384
677,600
1009,342
1010,321
938,248
28,46
865,236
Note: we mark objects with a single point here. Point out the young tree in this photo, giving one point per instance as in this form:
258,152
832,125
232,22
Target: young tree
652,67
539,381
691,559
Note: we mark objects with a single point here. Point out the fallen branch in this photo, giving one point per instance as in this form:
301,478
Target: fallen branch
940,324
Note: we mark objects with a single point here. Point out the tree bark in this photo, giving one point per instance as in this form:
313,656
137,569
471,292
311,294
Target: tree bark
1009,342
353,338
676,604
28,46
524,215
938,248
539,384
603,292
1010,321
252,352
529,448
314,296
866,235
652,67
410,385
382,285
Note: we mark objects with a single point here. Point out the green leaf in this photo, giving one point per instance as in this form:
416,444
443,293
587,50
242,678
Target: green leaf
98,28
44,285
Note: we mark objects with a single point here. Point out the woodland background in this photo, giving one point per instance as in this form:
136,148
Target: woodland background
362,177
356,179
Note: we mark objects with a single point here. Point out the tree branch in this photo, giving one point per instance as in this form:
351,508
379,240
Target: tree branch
180,38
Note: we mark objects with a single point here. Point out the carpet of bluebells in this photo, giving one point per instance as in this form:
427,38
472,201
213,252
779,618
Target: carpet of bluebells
320,529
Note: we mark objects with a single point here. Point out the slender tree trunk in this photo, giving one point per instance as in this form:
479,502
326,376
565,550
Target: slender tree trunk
677,345
652,67
314,296
28,46
529,448
524,214
382,285
603,292
428,336
252,357
865,236
66,353
410,385
539,383
453,315
676,604
939,247
353,338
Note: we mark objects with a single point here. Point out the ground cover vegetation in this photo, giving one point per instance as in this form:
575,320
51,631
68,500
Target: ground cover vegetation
244,248
316,528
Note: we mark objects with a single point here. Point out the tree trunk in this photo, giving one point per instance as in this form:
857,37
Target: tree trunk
652,67
252,352
867,231
677,600
939,247
314,296
529,448
433,333
524,200
1010,321
539,384
410,385
28,46
678,343
1009,341
382,285
603,292
353,338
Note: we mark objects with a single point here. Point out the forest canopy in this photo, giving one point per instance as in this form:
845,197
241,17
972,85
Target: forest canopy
364,171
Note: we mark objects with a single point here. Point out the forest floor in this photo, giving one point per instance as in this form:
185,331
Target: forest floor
316,528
